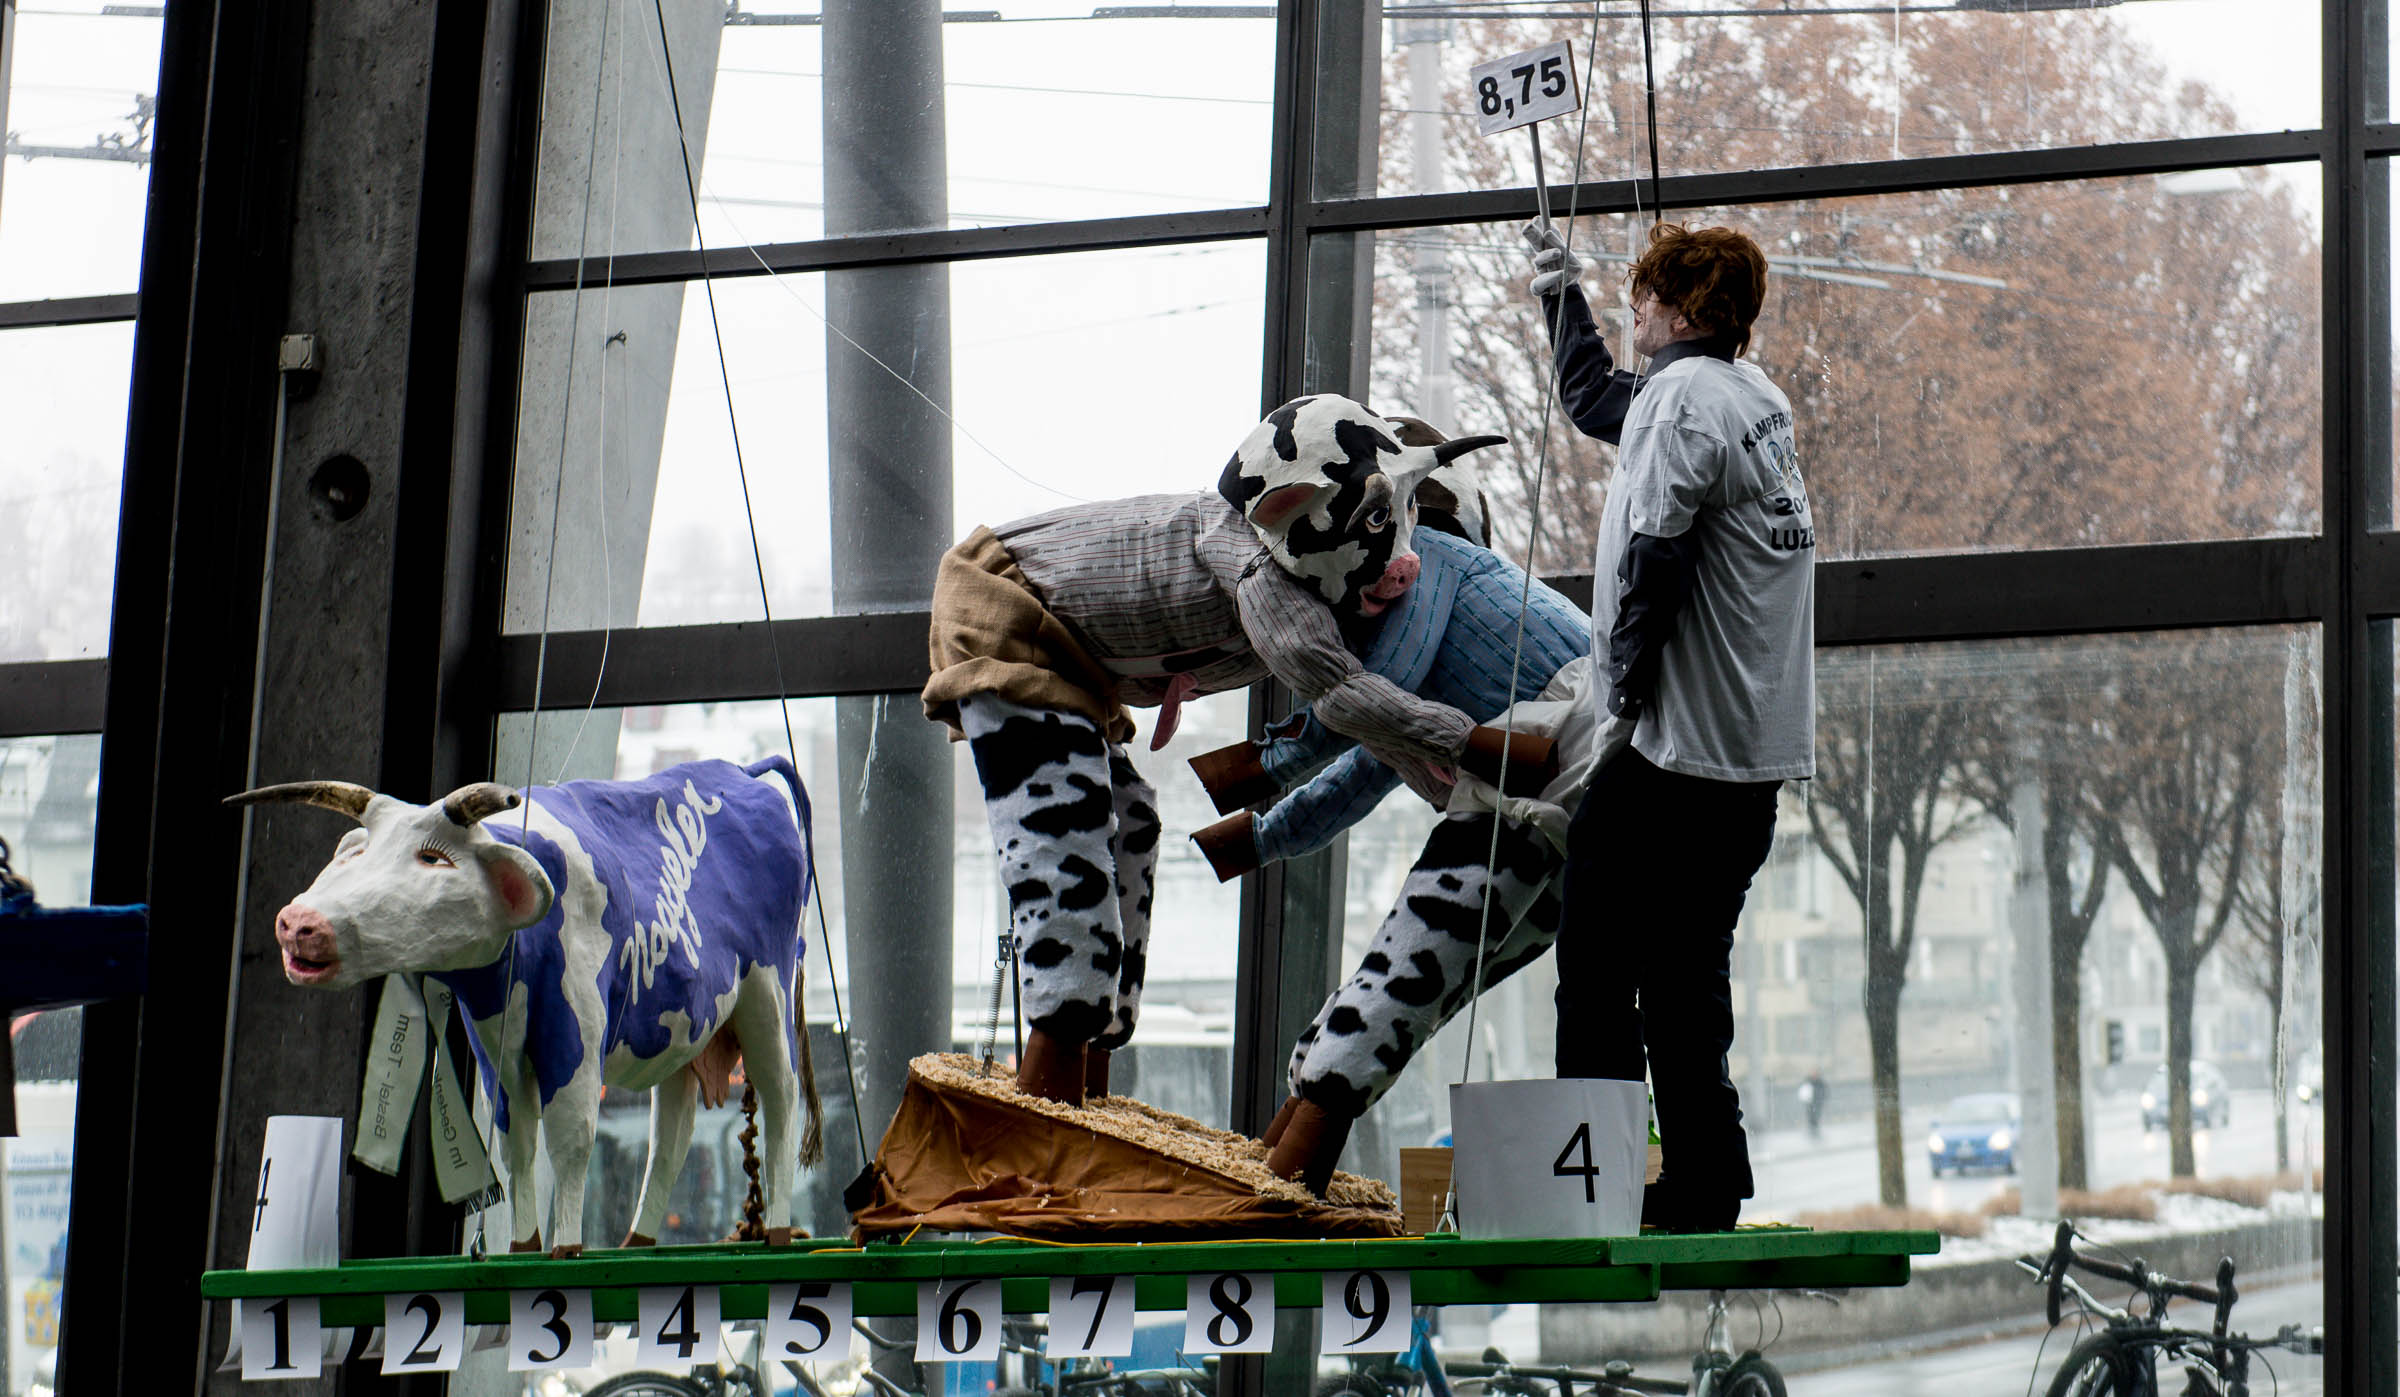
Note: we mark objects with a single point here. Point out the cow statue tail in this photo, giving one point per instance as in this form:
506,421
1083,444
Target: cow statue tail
812,1134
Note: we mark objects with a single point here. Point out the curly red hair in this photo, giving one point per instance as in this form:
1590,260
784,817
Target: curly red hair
1715,277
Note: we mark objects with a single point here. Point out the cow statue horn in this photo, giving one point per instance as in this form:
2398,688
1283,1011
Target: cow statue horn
471,803
332,795
1451,450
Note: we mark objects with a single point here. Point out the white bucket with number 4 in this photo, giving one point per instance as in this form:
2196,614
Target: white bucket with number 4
1561,1158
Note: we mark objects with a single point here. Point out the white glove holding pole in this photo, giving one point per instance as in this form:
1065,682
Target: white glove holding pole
1554,268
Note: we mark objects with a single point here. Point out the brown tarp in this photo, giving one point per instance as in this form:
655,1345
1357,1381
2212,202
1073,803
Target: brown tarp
959,1160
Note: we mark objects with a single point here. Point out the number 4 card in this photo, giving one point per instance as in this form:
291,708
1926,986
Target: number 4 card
678,1326
1091,1317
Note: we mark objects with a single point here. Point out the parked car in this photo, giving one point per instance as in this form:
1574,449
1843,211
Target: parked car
1976,1132
2212,1101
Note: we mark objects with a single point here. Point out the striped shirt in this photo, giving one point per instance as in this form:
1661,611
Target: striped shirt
1452,639
1155,584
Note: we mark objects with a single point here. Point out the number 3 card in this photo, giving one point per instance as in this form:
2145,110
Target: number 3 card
1232,1312
549,1329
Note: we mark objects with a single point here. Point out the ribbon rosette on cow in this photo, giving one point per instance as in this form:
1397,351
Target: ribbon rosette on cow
1331,491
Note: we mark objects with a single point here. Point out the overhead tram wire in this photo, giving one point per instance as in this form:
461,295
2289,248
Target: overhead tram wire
783,705
1533,529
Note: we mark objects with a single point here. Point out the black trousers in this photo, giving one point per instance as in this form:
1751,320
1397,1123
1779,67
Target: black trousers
1657,865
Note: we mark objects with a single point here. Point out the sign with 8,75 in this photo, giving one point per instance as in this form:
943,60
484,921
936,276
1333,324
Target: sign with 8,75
1524,88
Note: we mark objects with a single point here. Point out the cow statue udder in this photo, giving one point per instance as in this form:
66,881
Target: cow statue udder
636,934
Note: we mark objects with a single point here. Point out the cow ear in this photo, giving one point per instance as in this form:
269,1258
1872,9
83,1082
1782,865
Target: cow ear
519,882
1276,507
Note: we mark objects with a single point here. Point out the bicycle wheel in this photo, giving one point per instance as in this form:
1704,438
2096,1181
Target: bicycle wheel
2098,1367
647,1385
1751,1375
1348,1385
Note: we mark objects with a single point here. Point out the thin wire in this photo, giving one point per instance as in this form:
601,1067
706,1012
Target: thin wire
1649,97
691,186
1533,534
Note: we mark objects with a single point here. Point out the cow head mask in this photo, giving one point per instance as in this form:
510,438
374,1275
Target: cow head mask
1331,491
413,888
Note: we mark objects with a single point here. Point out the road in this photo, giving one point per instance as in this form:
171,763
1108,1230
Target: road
1797,1175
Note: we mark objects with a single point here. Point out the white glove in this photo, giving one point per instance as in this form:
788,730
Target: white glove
1554,268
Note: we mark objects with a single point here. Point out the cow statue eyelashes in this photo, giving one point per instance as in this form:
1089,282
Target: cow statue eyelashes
634,934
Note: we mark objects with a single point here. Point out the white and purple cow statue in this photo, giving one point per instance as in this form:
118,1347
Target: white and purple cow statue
621,933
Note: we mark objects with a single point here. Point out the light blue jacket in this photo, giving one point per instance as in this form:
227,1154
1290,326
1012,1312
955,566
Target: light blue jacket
1450,640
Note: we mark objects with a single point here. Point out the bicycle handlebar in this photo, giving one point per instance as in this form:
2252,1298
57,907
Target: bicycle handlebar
2137,1275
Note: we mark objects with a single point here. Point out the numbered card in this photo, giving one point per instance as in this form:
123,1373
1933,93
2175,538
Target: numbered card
808,1320
958,1320
1090,1317
425,1332
1229,1312
1366,1312
549,1329
1524,88
282,1339
1560,1157
678,1326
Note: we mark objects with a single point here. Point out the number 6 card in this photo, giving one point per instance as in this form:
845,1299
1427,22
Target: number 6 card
958,1320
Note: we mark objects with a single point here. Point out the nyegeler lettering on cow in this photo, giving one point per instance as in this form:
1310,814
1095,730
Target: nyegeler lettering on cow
531,924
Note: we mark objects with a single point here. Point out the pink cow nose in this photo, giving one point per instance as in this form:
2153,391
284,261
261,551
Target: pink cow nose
1398,576
303,928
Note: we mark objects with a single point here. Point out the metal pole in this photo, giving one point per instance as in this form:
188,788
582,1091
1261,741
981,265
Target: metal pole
889,468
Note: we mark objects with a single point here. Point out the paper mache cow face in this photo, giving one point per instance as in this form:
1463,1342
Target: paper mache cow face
1331,491
413,888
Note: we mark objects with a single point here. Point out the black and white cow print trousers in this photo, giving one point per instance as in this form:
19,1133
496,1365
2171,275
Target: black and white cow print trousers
1420,969
1077,832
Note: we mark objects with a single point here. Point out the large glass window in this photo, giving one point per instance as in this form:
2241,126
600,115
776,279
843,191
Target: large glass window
47,799
1771,87
77,95
2029,366
1046,112
58,487
1068,379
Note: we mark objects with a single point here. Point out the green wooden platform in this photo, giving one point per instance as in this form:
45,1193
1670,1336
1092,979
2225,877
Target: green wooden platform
1443,1270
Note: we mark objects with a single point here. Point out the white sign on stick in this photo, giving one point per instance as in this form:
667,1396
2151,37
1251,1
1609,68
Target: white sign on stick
1366,1312
1229,1312
1524,88
958,1320
282,1339
425,1332
677,1326
1091,1317
549,1329
1560,1158
808,1319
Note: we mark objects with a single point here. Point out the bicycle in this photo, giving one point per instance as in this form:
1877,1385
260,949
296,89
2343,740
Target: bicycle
1717,1371
2122,1359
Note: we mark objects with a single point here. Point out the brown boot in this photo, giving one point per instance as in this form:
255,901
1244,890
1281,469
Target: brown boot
1283,1118
1095,1073
1312,1140
1051,1069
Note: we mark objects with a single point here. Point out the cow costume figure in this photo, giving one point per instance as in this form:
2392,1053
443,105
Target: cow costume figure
635,934
1046,628
1453,639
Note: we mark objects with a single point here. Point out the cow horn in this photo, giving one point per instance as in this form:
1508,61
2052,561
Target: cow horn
469,804
1451,450
332,795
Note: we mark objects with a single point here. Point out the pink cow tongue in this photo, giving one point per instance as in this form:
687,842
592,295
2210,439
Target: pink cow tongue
1170,709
